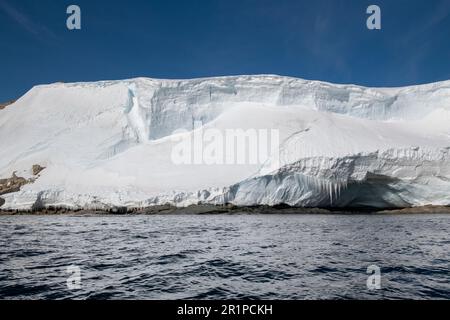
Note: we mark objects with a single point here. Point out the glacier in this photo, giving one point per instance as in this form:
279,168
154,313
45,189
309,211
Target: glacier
108,144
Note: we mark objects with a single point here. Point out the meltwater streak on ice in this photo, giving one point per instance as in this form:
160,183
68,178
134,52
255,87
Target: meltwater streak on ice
107,144
225,257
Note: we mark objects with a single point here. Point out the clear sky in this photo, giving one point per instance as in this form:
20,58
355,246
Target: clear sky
313,39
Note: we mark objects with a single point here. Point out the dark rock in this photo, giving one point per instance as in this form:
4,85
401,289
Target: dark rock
12,184
5,104
37,169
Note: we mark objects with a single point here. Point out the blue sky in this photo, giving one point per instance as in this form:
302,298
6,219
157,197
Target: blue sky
315,39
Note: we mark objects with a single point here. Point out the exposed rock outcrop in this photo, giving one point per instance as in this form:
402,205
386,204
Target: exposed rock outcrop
12,184
15,183
37,169
5,104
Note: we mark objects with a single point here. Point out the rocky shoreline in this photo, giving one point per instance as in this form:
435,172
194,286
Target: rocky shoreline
228,209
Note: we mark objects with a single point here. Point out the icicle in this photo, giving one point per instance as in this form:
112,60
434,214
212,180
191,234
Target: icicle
330,187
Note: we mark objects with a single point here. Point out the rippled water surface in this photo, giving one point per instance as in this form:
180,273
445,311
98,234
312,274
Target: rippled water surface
225,256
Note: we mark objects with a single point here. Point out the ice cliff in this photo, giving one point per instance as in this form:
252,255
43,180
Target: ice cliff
111,143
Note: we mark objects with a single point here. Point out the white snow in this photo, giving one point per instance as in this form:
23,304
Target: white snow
109,143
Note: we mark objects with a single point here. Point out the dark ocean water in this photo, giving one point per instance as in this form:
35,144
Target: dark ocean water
225,256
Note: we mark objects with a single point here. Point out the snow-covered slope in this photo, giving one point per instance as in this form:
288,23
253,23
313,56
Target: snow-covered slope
112,143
